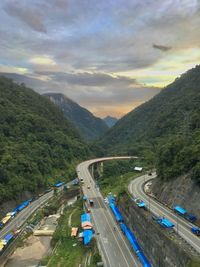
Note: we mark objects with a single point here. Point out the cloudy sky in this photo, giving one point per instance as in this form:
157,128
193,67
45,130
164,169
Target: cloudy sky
109,56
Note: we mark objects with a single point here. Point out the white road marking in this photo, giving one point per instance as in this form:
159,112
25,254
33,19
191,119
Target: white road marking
86,173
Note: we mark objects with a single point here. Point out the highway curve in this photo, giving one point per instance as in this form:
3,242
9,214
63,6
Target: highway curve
181,225
113,246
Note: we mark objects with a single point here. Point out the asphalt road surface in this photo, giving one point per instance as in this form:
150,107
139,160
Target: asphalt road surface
22,216
181,225
114,248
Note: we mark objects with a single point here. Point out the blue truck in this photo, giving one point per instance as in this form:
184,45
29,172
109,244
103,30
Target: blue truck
196,231
182,212
163,222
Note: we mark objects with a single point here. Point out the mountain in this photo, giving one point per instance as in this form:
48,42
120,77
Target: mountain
89,126
35,84
38,144
110,121
166,128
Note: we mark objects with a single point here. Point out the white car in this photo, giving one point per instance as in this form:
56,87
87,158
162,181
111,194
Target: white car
106,200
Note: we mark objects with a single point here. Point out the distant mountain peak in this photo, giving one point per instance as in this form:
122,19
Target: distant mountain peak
110,121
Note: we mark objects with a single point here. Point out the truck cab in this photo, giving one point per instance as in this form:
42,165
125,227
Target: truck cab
196,231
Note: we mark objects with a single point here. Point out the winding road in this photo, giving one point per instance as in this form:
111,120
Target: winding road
114,248
182,226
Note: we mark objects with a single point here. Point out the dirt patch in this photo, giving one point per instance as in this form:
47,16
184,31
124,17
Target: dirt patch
35,248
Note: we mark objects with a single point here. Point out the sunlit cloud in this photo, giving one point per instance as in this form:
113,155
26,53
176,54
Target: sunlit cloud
109,56
13,69
42,60
167,69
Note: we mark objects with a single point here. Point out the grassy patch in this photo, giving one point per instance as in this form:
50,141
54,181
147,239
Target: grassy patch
70,252
118,173
116,184
194,263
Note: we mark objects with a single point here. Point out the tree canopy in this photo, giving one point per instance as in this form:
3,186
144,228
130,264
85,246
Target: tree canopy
167,126
36,140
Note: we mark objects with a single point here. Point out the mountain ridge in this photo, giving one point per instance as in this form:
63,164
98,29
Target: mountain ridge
37,143
90,127
166,129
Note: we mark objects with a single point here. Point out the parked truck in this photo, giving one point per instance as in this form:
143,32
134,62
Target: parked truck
182,212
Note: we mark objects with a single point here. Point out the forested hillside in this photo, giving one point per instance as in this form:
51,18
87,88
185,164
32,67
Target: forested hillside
167,127
36,141
89,126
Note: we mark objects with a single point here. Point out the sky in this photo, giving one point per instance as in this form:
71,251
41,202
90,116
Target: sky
110,55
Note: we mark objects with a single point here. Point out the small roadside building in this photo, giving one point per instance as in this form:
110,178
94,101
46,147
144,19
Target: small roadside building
138,169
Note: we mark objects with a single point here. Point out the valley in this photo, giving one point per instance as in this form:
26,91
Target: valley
136,180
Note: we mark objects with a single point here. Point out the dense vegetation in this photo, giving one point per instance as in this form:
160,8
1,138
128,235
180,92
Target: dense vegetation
36,141
89,126
117,174
165,129
70,251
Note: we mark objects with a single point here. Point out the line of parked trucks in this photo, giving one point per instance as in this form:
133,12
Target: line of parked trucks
189,217
165,223
14,212
7,239
127,232
10,215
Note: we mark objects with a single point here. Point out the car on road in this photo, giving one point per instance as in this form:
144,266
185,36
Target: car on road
91,202
106,200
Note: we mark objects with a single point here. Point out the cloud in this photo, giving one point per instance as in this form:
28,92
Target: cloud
30,16
42,60
88,79
162,47
100,51
99,93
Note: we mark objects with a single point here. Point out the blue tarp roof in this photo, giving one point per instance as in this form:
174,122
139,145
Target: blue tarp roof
21,206
123,227
143,259
111,199
180,210
166,223
8,237
85,217
133,241
116,212
87,236
58,184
